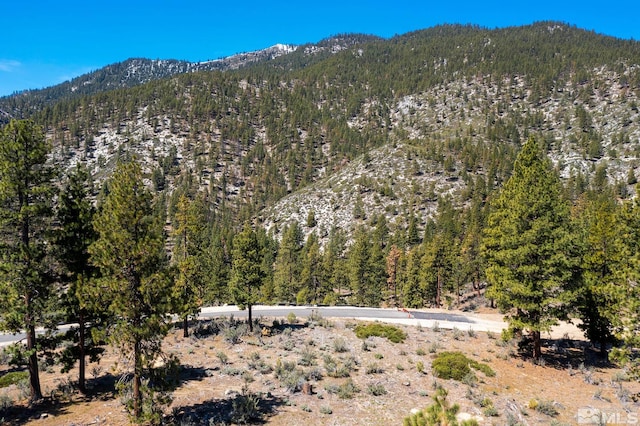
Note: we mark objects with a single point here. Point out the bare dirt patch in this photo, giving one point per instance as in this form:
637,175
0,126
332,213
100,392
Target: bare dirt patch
320,373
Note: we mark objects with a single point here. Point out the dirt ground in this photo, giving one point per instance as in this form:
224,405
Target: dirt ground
216,373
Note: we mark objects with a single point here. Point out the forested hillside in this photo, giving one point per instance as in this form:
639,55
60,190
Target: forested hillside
416,171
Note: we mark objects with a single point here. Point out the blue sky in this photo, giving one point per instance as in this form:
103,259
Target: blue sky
46,42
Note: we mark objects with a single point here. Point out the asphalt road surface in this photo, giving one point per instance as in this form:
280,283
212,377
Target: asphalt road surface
424,318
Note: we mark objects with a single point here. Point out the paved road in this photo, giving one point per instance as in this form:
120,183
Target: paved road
424,318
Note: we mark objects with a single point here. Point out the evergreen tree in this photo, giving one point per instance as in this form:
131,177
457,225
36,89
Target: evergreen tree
472,262
334,266
624,312
246,270
359,266
189,258
131,255
217,263
310,273
286,274
26,191
436,268
599,230
392,264
529,248
410,280
72,240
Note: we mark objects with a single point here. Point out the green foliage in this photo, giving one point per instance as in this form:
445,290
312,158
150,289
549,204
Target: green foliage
394,334
13,377
531,253
376,389
600,230
440,412
286,270
456,366
246,408
131,255
26,193
246,270
153,401
189,257
81,303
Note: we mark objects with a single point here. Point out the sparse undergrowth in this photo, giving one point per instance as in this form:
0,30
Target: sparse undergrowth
329,372
392,333
456,366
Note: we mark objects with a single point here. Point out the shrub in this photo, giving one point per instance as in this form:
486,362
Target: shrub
420,366
5,402
490,412
339,345
291,318
307,358
544,407
326,410
376,390
347,389
392,333
13,378
314,374
455,365
374,368
245,408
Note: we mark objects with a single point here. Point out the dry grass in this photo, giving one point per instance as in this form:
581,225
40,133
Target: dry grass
276,368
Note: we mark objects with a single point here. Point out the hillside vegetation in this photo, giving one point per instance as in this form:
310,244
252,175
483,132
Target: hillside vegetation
455,167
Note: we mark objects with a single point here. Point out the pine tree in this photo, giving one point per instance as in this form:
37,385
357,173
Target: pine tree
286,274
246,270
359,270
602,260
624,312
392,263
310,273
217,263
410,280
529,248
26,191
334,266
188,257
72,240
131,255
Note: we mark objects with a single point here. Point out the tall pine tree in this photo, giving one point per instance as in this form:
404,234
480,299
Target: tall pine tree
26,191
189,252
246,270
529,248
72,240
130,253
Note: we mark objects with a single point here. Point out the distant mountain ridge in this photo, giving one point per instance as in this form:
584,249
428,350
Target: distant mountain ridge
355,128
136,71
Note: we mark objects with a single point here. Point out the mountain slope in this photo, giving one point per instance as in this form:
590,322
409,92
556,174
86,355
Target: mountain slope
136,71
440,111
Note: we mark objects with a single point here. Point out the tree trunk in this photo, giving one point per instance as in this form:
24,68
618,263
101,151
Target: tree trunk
137,373
537,349
34,375
604,354
81,355
185,326
250,319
